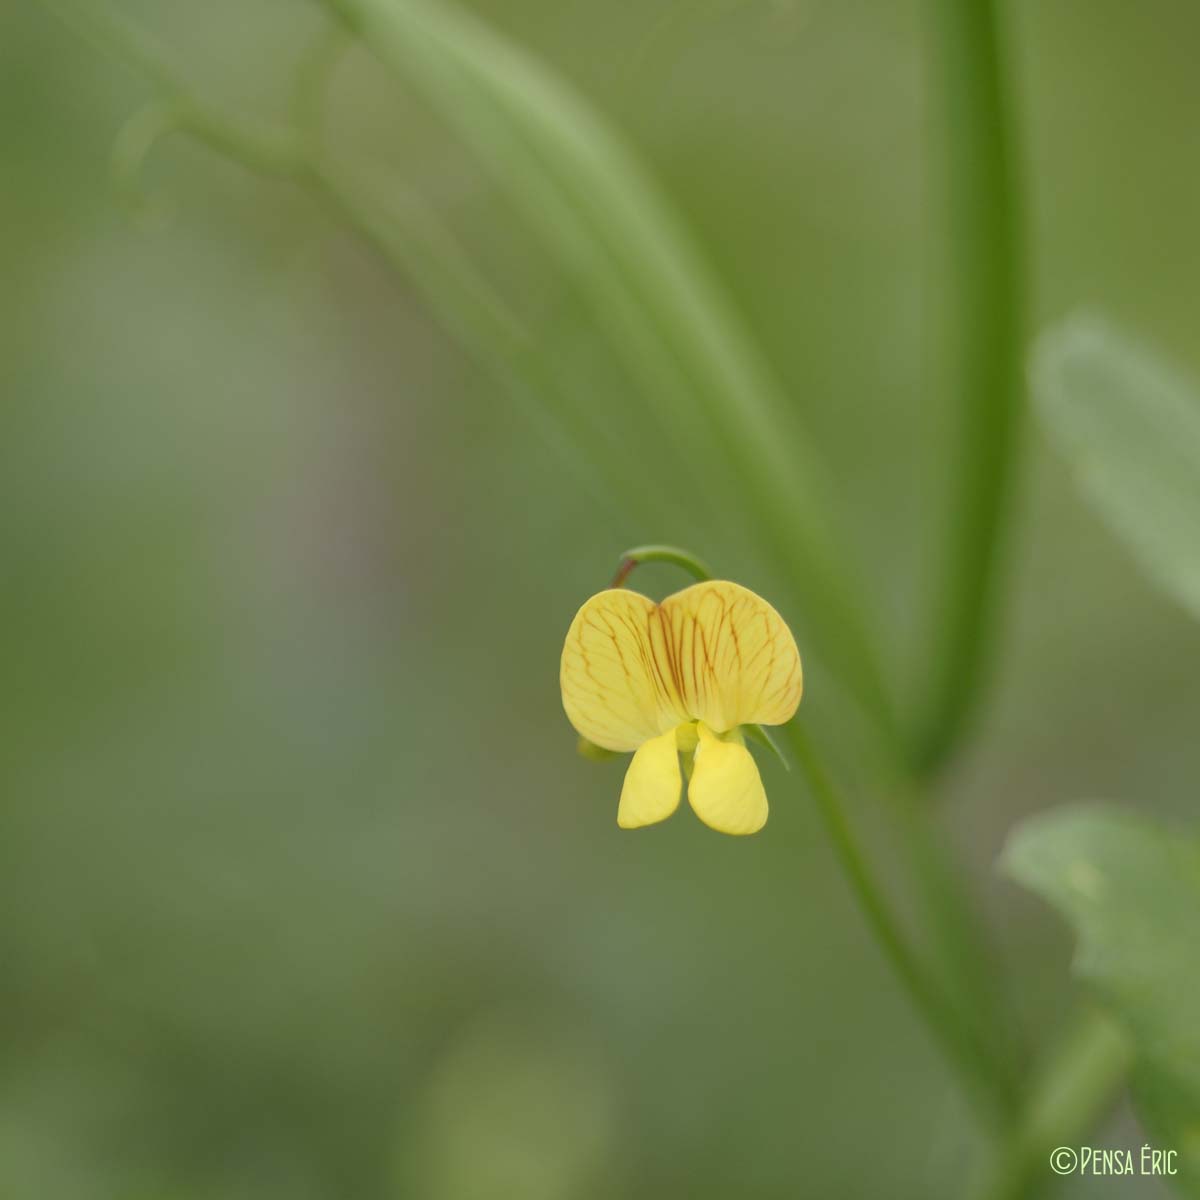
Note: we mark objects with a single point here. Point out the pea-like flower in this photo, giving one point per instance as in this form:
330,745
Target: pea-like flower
676,679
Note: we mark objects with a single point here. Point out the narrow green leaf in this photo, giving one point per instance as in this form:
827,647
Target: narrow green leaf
699,372
762,735
1131,892
1129,425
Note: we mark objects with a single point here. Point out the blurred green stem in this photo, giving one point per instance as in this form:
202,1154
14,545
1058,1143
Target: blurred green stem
405,232
957,930
1078,1083
698,370
964,1048
700,375
985,251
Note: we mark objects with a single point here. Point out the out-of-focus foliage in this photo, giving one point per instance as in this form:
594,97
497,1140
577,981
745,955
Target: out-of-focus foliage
1129,425
1131,891
696,371
304,890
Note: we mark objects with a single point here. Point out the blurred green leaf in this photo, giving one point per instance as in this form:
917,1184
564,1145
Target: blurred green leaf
1130,426
1131,891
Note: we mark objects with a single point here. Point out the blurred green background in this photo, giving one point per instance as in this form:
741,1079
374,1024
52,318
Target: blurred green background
305,892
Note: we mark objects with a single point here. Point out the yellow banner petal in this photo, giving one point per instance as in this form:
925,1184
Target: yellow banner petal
726,789
715,652
729,655
614,687
652,784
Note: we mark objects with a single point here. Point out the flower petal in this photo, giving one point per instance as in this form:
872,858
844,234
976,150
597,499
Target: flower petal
730,656
726,790
614,689
652,783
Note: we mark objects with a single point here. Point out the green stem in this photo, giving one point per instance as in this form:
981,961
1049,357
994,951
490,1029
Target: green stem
664,554
966,1052
983,231
957,929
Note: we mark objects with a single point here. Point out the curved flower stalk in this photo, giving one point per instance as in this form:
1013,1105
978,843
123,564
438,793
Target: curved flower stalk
679,680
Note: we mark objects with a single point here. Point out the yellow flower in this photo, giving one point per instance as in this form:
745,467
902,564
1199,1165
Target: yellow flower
681,677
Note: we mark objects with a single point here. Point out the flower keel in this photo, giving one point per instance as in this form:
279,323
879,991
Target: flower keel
726,791
652,784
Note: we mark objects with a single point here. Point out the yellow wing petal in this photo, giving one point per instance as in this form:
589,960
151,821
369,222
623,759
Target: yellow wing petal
613,688
652,783
726,789
730,655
